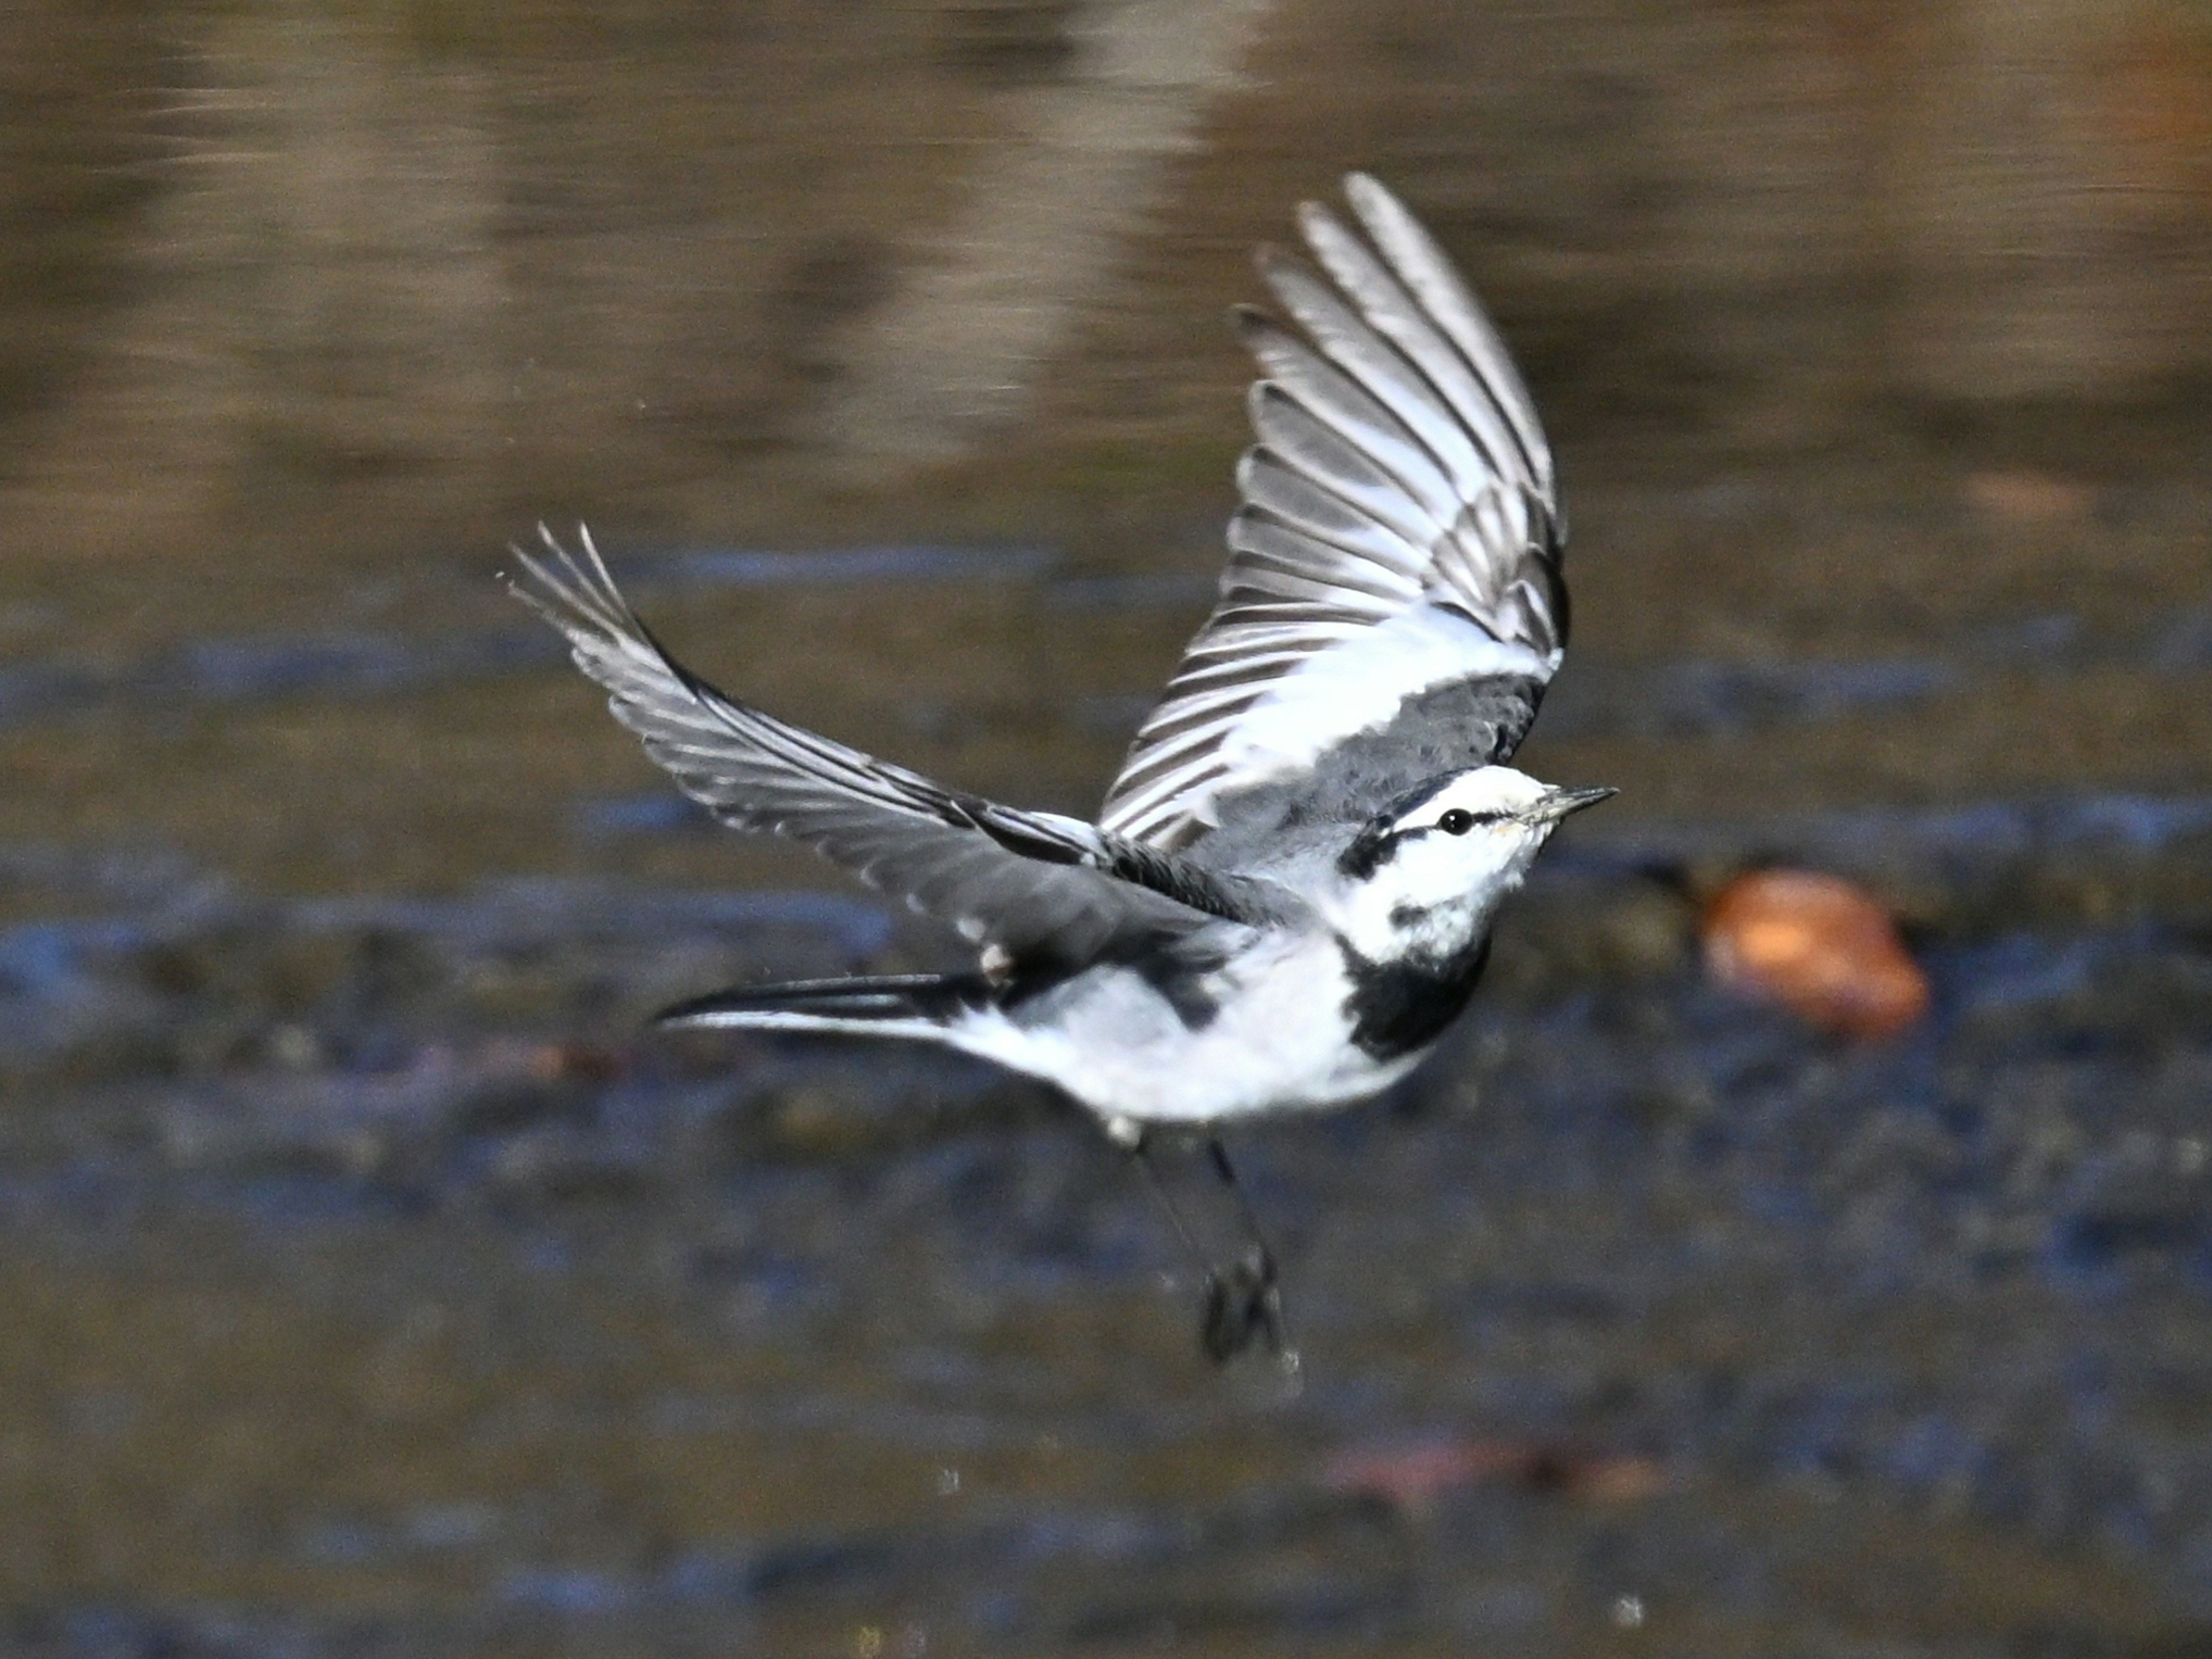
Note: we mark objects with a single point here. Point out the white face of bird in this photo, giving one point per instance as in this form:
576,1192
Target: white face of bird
1427,872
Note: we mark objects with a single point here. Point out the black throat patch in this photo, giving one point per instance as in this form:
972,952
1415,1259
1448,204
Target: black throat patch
1397,1008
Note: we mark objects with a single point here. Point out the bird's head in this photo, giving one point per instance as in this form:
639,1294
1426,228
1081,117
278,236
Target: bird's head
1437,860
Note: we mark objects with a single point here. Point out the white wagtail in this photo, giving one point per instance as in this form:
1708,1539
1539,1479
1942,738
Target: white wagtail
1288,895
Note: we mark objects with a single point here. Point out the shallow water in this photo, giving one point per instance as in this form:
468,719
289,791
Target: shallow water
372,1285
369,1284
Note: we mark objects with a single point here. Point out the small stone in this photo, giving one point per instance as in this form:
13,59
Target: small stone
1818,946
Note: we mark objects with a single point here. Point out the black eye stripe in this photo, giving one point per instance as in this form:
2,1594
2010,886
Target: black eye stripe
1459,820
1377,841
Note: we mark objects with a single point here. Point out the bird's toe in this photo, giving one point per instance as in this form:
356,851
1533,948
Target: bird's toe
1242,1303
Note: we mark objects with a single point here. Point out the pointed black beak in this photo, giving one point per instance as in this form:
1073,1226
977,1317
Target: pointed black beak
1562,802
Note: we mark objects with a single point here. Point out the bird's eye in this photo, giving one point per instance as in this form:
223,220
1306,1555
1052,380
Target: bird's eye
1457,822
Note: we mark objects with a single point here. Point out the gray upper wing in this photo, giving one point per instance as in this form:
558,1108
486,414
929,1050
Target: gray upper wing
1047,890
1400,535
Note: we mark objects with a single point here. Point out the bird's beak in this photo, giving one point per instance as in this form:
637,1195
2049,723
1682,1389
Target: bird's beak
1561,802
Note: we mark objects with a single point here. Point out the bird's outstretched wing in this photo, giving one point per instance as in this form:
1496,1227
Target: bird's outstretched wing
1050,892
1397,556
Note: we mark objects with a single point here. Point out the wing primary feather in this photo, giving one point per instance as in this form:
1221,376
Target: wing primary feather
1267,480
1052,890
1275,559
1412,251
1399,319
1347,340
1340,403
1310,445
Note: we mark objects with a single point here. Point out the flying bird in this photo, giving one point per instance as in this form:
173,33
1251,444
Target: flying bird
1287,896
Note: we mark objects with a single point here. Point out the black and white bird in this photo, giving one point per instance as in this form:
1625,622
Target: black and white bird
1288,895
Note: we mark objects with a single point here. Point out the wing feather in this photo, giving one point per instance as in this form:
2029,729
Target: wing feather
1401,537
1294,438
1480,424
1421,493
1280,562
1336,400
1414,255
1356,345
1275,487
1047,890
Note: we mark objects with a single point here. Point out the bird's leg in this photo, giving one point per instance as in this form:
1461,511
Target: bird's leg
1242,1300
1140,1149
1248,1301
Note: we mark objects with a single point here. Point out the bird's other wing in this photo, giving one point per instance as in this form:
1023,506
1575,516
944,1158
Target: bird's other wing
1401,535
1051,891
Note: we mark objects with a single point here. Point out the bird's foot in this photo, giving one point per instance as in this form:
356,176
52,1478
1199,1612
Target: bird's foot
1241,1303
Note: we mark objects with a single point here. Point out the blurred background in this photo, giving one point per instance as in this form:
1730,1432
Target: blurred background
370,1286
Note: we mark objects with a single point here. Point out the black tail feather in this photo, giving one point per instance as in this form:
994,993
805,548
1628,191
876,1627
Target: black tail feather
889,996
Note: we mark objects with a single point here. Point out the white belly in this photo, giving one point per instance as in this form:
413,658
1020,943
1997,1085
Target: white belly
1279,1043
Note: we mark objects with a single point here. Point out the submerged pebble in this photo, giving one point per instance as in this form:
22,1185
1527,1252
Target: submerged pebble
1824,949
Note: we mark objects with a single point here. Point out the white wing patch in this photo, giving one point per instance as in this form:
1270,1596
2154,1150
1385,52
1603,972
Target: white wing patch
1400,529
1360,685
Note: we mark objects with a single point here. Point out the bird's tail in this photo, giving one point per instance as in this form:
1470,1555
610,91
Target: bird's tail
894,1006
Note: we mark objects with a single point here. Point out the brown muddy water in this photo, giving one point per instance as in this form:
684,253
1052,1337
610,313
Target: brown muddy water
370,1284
